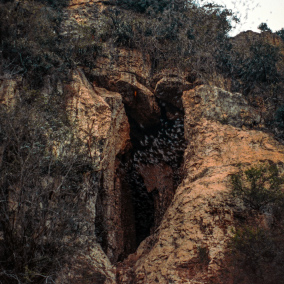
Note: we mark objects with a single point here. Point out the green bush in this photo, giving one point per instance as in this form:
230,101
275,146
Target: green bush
264,27
256,249
255,66
258,186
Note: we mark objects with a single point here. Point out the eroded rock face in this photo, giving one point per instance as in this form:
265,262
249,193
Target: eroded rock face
158,179
215,104
102,123
170,90
91,114
138,99
190,244
104,127
121,60
193,223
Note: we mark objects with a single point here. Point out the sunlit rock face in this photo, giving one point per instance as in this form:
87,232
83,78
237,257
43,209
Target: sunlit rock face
104,127
190,243
101,122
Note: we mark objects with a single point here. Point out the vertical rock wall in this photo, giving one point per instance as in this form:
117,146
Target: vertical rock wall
190,244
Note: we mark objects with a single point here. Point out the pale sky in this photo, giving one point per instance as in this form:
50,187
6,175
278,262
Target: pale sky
254,12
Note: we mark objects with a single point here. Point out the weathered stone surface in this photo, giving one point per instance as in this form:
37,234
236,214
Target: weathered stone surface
117,143
139,100
158,178
92,115
216,104
190,244
123,71
120,60
170,90
102,123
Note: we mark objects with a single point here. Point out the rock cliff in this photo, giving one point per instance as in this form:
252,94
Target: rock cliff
163,150
193,222
190,244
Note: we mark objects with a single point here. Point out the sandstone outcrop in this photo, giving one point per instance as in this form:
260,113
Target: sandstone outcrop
193,223
102,123
190,244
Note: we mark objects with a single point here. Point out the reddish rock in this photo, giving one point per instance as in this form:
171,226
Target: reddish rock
190,244
158,178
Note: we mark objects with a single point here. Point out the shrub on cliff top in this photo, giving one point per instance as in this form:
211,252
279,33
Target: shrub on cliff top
182,38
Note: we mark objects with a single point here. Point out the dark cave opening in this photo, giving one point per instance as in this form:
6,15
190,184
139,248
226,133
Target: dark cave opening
153,168
148,173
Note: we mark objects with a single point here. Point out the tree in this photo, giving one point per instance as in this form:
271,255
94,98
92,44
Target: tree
264,27
46,180
256,246
280,33
258,186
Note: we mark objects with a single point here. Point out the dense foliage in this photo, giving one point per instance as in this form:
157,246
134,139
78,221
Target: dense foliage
32,46
281,33
176,34
157,6
44,187
257,247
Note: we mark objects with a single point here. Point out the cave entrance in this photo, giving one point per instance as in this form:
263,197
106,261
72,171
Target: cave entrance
152,170
145,182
